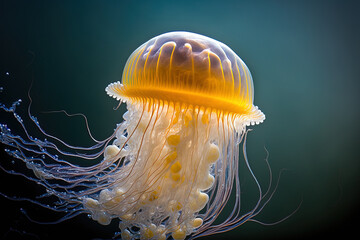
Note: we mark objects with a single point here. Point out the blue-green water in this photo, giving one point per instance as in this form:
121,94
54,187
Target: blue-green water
304,58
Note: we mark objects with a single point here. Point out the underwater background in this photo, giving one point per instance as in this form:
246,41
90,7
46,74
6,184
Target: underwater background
304,59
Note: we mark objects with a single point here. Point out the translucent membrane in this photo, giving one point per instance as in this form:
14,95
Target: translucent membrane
190,69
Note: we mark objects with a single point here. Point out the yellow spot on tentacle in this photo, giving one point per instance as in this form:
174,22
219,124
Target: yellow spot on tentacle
175,177
162,237
176,167
119,194
105,195
179,234
207,182
178,206
102,218
111,151
127,217
173,140
126,235
175,206
197,222
212,154
199,201
153,196
148,233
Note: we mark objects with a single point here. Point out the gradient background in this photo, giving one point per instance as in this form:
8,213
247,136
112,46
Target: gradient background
304,58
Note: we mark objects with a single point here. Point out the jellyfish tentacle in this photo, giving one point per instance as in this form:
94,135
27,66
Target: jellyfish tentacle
282,219
235,219
36,122
77,114
69,177
43,144
62,219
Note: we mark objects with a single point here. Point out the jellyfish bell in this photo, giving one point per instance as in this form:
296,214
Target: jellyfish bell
170,166
192,70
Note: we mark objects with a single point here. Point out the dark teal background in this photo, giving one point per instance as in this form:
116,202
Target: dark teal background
304,58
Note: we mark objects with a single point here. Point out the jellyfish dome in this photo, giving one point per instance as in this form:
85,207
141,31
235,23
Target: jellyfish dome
191,70
170,167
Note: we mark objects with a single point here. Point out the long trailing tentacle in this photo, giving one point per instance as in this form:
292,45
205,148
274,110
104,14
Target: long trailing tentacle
237,217
61,178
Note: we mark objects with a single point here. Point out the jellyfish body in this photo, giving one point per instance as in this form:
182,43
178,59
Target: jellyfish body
169,168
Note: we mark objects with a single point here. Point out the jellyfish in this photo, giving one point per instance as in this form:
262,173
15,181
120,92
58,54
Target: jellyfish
170,166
